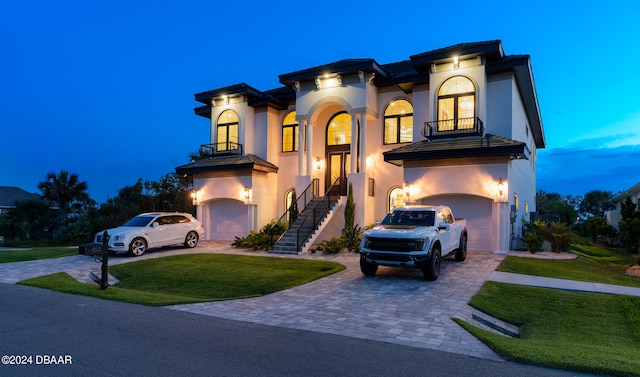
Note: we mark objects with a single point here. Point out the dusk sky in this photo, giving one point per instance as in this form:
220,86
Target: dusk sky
105,89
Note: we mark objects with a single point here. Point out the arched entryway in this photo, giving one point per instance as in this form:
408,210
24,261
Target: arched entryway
338,148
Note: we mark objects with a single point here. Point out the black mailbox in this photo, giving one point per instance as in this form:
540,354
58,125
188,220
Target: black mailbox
91,249
101,252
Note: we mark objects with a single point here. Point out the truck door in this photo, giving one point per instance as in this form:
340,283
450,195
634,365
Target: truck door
447,236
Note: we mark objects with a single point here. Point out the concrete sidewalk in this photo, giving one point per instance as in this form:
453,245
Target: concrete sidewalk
569,285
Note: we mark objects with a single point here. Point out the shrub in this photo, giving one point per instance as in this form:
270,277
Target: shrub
331,246
352,237
559,235
533,241
533,236
262,239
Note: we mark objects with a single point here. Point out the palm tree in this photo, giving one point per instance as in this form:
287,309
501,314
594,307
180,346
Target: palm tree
64,189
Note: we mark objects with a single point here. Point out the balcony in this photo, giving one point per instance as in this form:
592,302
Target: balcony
228,148
451,128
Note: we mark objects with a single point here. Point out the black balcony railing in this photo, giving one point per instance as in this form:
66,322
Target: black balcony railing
221,149
442,129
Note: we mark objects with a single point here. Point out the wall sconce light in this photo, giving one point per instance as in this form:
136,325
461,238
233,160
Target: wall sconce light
246,193
194,196
407,189
456,63
500,187
318,163
328,81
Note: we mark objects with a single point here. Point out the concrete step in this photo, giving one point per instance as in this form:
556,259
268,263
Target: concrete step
488,323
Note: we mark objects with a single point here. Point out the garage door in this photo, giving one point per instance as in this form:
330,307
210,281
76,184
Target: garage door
477,211
228,219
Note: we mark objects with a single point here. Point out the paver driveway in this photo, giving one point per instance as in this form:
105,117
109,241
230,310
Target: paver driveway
394,306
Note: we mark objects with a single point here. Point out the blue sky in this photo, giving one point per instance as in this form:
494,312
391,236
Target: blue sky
105,89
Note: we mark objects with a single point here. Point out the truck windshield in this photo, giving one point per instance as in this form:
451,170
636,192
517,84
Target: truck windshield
410,218
139,221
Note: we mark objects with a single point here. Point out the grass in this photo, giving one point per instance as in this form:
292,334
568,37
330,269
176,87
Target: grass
594,264
8,256
583,332
193,278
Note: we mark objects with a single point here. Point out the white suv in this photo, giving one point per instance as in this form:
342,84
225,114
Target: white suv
150,230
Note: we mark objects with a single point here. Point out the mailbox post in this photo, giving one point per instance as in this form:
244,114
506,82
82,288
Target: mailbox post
101,253
104,278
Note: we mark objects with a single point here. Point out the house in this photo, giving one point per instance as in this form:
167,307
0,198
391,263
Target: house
459,126
10,194
614,216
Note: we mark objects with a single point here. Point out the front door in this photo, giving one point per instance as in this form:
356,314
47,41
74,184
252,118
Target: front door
339,167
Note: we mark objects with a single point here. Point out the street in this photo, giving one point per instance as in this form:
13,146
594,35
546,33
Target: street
56,334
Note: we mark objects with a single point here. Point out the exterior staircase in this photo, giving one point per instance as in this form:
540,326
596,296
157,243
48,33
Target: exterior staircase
306,225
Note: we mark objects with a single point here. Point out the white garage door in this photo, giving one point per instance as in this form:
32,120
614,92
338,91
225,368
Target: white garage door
228,219
477,211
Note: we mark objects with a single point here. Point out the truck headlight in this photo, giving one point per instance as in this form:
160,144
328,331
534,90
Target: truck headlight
420,243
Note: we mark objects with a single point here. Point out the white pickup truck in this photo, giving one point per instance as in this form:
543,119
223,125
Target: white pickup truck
414,237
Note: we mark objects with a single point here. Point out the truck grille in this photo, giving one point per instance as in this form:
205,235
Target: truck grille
393,244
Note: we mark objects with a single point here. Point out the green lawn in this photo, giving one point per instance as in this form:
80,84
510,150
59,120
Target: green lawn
8,256
595,264
585,332
195,278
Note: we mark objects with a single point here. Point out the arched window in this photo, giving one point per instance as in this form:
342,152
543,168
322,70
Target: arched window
339,129
398,122
396,198
227,131
457,104
290,133
289,199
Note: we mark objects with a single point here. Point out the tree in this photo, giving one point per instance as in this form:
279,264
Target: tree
351,233
596,203
64,189
554,207
30,219
629,225
597,227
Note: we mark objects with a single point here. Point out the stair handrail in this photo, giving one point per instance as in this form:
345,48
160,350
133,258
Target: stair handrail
320,211
312,191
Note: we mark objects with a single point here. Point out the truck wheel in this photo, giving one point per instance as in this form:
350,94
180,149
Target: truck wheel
368,269
432,271
461,253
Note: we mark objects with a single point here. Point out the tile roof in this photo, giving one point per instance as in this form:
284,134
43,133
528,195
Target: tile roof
489,145
227,163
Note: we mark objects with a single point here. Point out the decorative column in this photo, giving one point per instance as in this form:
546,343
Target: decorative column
354,143
362,161
301,130
309,134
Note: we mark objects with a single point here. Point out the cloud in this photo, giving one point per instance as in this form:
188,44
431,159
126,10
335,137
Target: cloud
625,132
578,171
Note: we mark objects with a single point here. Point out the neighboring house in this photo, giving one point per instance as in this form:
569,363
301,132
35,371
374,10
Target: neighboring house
614,216
458,126
9,195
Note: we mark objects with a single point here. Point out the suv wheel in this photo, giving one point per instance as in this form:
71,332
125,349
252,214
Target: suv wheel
191,240
137,247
